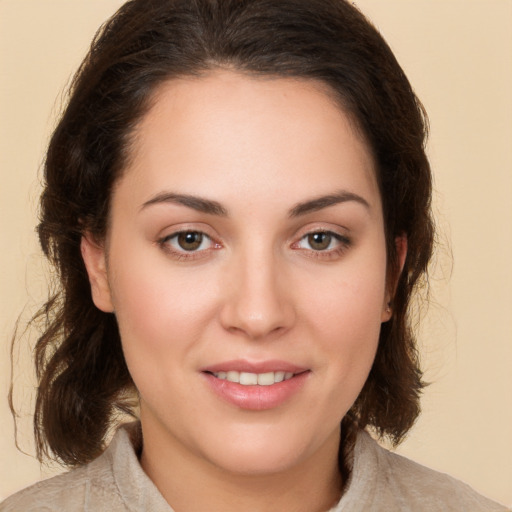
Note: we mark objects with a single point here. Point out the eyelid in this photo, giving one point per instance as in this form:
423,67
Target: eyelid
186,227
345,241
163,243
338,231
340,238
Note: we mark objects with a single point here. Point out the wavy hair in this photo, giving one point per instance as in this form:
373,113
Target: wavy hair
82,375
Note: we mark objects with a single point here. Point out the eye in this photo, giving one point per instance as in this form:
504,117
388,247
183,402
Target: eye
187,241
319,241
322,241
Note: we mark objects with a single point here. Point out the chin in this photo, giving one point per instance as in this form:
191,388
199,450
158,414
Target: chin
249,463
268,451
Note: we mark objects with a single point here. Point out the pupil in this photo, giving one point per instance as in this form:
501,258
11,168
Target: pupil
319,241
190,241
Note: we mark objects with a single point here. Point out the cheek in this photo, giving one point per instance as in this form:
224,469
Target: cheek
350,336
350,300
161,311
345,318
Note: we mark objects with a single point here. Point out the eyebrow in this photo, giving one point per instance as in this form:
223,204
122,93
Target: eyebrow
196,203
215,208
322,202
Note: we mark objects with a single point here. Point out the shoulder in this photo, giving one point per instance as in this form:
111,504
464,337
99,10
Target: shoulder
90,487
441,491
114,482
73,491
63,492
386,481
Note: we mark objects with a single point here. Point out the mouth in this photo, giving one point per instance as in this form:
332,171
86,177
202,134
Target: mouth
254,379
256,386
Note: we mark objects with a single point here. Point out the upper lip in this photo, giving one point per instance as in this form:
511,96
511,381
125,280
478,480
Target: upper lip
242,365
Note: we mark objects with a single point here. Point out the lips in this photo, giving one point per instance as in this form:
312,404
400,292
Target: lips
256,386
242,365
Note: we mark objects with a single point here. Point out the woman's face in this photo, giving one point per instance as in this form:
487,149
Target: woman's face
246,246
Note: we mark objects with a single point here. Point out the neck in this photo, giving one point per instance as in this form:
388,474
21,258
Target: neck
189,483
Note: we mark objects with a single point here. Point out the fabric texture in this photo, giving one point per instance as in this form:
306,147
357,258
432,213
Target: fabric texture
115,482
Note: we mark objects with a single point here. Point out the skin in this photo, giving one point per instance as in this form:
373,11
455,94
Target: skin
256,289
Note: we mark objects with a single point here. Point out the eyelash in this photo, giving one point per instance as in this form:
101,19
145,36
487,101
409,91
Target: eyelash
344,243
184,255
325,254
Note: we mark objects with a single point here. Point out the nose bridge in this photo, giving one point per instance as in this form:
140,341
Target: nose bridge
258,304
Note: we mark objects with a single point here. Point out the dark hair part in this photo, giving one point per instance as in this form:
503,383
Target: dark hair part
83,378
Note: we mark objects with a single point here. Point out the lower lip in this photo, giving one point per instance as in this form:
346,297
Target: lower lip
257,398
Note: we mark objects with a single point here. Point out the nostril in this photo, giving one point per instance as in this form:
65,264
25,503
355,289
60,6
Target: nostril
257,305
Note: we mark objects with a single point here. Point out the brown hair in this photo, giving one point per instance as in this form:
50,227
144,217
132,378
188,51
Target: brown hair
83,378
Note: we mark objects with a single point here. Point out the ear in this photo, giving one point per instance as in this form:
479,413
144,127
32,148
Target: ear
95,261
401,253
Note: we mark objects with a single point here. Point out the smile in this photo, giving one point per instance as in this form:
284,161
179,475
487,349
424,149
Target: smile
254,379
256,386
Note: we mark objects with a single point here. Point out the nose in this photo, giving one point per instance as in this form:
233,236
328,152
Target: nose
258,302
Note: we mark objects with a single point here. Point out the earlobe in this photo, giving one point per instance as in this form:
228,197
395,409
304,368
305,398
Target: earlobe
401,254
387,312
94,258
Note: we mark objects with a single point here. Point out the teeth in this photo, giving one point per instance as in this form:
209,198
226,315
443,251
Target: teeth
279,376
266,379
252,379
248,379
232,376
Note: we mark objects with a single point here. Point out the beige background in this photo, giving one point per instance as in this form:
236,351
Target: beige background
458,55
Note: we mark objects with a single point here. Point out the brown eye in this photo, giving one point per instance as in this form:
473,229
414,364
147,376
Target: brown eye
188,244
189,240
319,241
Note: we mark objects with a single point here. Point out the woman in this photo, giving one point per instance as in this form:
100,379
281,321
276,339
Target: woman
237,203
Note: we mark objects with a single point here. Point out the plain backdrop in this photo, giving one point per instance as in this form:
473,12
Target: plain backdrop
458,56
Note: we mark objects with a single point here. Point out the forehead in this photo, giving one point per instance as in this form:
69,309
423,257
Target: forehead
227,131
